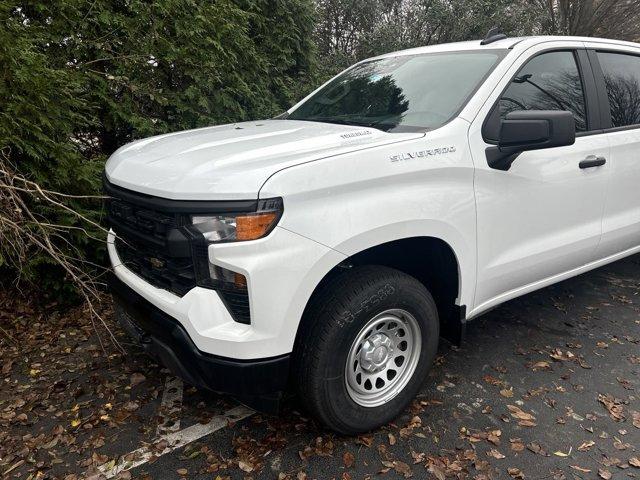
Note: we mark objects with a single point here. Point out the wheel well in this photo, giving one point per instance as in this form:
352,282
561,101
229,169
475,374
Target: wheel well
428,259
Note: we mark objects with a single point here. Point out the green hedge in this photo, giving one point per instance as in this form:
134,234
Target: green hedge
80,78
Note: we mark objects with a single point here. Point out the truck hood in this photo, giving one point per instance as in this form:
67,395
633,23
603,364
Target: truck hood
230,162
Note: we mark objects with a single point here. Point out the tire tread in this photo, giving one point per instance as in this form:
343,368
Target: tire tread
324,316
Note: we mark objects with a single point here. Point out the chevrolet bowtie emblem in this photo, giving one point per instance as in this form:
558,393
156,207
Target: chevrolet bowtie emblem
156,262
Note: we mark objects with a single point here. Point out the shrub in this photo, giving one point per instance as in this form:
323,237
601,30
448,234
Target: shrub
78,79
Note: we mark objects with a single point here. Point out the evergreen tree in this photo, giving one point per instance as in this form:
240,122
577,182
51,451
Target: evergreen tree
79,78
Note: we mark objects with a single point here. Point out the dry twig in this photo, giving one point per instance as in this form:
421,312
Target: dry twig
24,233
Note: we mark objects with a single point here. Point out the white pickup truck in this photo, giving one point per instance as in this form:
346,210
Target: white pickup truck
327,250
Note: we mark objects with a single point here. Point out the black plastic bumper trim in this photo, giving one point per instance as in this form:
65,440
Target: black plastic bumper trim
163,336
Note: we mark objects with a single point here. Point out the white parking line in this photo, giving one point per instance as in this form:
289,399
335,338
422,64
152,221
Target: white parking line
174,441
170,406
171,402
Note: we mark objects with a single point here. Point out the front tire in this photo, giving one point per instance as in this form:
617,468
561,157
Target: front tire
368,342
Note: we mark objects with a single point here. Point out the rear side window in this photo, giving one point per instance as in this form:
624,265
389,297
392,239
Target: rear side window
550,81
622,78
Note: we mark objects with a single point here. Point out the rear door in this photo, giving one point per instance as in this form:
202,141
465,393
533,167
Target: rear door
542,217
617,72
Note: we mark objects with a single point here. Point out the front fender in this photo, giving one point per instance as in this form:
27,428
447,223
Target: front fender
415,188
421,228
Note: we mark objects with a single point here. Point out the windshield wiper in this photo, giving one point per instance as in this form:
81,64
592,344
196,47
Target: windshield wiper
339,121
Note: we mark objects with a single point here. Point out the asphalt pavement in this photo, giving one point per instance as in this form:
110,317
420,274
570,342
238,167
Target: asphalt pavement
546,386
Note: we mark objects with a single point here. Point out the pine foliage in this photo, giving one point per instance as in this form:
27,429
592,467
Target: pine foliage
79,78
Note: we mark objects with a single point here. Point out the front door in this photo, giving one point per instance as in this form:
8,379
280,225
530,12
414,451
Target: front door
542,217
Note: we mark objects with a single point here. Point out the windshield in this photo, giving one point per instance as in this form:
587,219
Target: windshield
403,93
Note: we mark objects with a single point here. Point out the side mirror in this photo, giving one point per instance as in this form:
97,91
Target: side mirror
530,130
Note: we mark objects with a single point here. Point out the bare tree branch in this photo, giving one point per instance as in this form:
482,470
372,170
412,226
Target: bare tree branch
24,233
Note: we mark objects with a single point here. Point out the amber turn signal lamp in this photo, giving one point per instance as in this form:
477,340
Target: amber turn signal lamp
251,227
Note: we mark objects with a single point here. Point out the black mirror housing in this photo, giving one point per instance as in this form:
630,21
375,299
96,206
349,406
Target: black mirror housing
525,130
537,129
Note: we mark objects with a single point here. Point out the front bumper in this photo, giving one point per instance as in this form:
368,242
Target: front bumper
282,270
163,336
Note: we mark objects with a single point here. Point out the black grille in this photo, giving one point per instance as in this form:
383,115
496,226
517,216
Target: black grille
156,244
173,274
135,221
237,301
146,246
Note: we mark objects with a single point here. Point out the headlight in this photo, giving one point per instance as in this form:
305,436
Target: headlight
240,227
230,227
216,229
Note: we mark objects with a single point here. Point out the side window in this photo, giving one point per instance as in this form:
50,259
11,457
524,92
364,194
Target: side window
550,81
622,78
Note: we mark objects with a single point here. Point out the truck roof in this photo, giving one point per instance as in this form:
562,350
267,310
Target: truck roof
507,43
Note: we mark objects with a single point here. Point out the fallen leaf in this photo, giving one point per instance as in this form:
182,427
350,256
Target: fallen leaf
492,380
418,457
366,440
634,462
580,469
527,423
494,437
516,412
606,474
517,445
348,459
495,454
515,473
436,470
507,393
613,405
131,406
543,365
562,454
620,445
586,446
402,468
245,466
536,448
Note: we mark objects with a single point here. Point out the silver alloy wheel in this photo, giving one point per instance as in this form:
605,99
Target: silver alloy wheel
383,357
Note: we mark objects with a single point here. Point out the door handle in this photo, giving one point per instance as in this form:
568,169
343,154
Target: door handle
592,161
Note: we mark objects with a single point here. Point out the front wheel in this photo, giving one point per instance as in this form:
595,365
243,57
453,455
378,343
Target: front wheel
370,338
